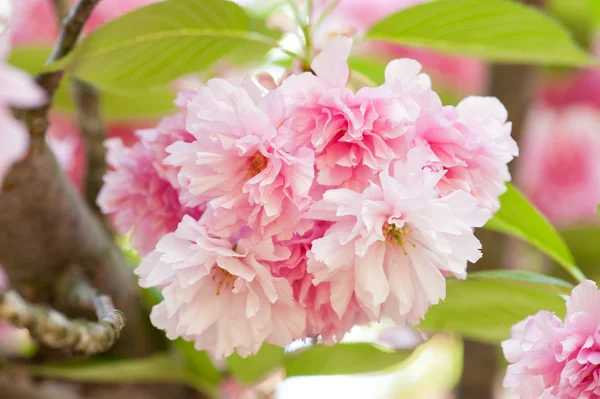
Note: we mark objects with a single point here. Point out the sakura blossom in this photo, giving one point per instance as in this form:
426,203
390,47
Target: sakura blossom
389,245
243,305
139,198
237,161
554,358
355,136
472,143
17,89
324,208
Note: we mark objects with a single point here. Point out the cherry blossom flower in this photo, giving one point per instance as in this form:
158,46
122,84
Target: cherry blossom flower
557,359
355,136
237,162
321,320
138,197
219,293
472,143
389,245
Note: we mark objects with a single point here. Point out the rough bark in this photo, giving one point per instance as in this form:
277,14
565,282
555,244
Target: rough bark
47,228
91,127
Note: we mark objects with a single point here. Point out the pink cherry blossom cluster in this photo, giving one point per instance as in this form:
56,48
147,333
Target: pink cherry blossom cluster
17,89
310,208
557,359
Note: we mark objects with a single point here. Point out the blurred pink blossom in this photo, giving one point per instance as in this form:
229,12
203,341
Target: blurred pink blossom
34,21
557,359
559,169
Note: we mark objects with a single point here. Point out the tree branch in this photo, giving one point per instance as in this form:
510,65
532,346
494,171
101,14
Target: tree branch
46,226
37,118
57,331
89,120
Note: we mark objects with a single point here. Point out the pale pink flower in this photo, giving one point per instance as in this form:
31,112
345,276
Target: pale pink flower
552,358
17,89
355,136
321,320
473,144
389,245
138,197
219,293
355,17
169,130
34,21
560,170
237,160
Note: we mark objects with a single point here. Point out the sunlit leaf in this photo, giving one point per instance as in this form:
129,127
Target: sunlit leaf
253,368
487,304
496,30
519,218
155,44
347,358
154,369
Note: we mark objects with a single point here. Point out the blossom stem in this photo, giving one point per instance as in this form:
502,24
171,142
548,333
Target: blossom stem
57,331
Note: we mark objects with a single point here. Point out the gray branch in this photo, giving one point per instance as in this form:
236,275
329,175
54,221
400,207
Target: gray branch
89,120
56,330
72,25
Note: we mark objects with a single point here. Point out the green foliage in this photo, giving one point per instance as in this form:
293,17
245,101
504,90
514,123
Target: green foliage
156,369
486,305
519,218
116,105
577,15
198,362
253,368
350,358
153,45
496,30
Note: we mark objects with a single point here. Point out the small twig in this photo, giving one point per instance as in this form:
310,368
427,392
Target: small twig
37,118
89,120
55,330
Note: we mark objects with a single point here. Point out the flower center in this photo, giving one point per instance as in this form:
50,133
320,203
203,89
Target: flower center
395,235
257,164
223,278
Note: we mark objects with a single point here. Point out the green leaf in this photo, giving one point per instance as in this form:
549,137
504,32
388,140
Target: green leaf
155,44
519,218
496,30
487,304
576,15
583,243
198,362
350,358
123,105
155,369
253,368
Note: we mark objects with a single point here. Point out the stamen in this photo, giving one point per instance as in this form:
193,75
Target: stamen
395,235
257,164
223,278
